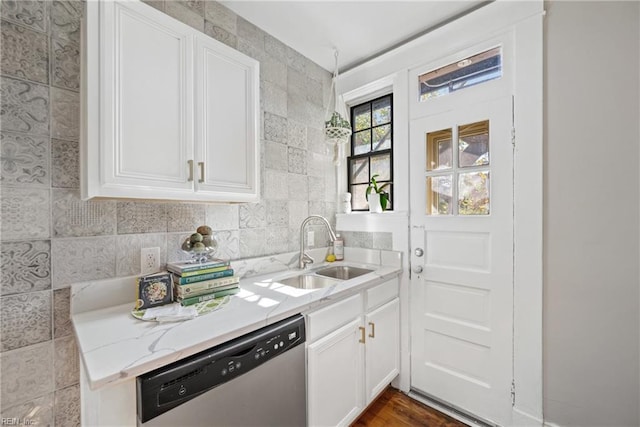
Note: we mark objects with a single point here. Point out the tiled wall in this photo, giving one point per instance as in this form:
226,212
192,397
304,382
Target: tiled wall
50,238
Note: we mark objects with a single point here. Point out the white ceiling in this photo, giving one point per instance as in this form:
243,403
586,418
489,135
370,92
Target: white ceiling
358,29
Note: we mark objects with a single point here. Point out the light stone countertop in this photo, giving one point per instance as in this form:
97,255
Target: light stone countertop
114,346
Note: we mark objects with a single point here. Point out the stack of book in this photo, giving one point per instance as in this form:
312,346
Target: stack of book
194,283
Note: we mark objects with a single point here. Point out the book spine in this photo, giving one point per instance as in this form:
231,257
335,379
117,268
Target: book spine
196,267
202,277
204,271
194,300
186,292
211,284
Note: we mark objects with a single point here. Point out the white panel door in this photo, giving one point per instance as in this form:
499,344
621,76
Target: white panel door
462,292
146,98
227,111
382,360
334,377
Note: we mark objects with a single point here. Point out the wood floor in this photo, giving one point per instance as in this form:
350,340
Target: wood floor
394,408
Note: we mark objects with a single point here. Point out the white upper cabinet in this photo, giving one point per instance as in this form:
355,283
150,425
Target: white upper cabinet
169,113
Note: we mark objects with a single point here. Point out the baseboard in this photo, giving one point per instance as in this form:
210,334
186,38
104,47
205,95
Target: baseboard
548,424
520,418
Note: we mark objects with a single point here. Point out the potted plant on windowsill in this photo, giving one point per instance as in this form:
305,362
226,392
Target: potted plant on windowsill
376,196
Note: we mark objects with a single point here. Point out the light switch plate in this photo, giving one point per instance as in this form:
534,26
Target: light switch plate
149,260
310,239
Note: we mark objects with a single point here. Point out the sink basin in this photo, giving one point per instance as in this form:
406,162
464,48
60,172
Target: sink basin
306,281
343,272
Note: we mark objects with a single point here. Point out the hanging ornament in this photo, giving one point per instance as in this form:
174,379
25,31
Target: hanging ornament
337,129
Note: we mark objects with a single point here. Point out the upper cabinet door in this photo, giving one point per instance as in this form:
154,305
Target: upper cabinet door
147,98
227,114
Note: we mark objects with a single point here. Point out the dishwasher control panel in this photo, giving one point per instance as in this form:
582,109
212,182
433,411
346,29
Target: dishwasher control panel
167,387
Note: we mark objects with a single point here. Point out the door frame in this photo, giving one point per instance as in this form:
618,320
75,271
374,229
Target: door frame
524,21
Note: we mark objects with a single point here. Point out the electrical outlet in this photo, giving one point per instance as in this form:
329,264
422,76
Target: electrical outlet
149,260
310,239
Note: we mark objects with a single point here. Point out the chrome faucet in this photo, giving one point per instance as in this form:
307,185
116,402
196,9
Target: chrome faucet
304,257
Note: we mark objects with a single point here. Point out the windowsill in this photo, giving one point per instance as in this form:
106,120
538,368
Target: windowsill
367,221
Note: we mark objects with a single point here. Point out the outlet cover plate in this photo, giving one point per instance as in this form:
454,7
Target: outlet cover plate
149,260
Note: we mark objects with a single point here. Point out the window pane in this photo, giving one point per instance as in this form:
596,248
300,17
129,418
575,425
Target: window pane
382,138
468,72
473,193
439,150
358,197
362,117
359,171
473,144
382,111
439,195
381,165
363,142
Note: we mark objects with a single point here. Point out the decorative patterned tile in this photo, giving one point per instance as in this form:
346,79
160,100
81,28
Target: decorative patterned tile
140,217
318,165
61,309
37,412
158,4
184,216
277,213
67,406
65,114
128,248
228,244
220,34
174,243
297,83
275,185
275,128
65,164
252,215
316,187
65,64
275,156
274,71
296,135
66,17
25,53
222,217
297,160
25,213
196,6
277,239
296,60
298,211
25,106
275,48
24,159
253,242
315,142
250,33
382,240
274,98
32,14
298,189
26,319
221,16
66,363
80,259
26,266
27,373
73,217
184,14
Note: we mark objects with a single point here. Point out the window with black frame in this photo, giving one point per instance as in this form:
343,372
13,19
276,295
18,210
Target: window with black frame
371,151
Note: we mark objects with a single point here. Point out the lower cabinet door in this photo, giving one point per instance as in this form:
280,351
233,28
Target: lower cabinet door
335,377
383,348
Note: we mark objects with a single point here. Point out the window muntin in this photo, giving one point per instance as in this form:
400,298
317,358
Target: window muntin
460,174
371,149
473,70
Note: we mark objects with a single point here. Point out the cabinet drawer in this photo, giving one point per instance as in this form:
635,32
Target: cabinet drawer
325,320
380,294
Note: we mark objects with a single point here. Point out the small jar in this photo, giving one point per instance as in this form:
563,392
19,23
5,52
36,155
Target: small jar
338,247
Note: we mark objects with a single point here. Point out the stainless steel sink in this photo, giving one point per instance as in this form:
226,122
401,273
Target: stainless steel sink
343,272
307,281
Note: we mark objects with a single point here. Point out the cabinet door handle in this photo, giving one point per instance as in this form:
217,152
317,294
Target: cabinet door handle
190,163
201,164
361,334
373,330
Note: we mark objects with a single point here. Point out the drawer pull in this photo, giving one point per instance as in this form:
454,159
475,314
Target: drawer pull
190,163
201,164
373,330
361,334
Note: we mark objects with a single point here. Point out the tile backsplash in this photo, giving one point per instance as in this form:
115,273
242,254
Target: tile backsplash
51,239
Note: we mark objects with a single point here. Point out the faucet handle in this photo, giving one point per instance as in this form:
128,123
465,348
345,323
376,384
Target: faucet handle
306,259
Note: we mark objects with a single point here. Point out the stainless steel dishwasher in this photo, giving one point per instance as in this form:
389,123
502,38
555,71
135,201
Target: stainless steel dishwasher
258,379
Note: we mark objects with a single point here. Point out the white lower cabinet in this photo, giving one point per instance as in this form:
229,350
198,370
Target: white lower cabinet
352,355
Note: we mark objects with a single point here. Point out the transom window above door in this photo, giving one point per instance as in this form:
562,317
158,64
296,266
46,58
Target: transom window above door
371,149
458,173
